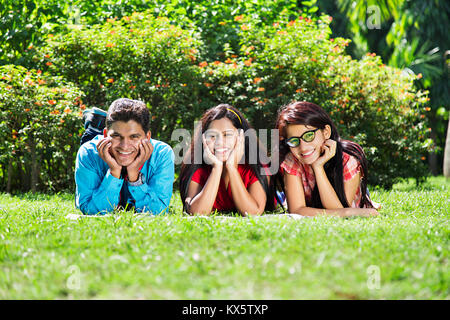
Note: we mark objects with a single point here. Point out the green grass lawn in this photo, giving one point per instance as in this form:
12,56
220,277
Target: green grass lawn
402,254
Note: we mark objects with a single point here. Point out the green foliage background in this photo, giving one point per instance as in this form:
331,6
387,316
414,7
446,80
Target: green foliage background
183,57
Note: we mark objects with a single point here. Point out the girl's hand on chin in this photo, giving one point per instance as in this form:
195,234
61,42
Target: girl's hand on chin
329,151
208,156
238,151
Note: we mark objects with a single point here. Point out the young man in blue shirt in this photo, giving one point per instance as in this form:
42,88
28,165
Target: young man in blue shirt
124,167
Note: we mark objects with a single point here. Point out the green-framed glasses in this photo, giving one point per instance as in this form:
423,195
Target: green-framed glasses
308,136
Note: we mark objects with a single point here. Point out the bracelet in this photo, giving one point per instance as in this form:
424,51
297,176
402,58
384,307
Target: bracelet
138,182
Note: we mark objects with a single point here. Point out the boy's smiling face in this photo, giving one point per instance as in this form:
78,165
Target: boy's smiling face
125,140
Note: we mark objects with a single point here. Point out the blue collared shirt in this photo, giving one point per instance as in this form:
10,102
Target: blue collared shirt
97,191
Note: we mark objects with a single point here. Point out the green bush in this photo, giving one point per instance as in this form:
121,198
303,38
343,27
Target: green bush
149,58
25,24
372,104
39,129
139,57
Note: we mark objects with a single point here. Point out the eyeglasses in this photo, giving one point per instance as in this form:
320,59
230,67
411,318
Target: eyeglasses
308,136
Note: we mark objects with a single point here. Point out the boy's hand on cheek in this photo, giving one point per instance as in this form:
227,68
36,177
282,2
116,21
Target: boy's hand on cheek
104,151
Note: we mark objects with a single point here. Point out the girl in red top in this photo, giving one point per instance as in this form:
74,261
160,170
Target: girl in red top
319,169
224,179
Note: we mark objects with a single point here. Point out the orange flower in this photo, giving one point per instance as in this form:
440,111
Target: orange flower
110,80
222,23
291,23
40,81
203,64
281,32
128,80
48,63
147,81
379,109
276,24
299,90
257,80
47,56
239,18
427,109
208,85
261,89
27,110
67,110
419,76
228,60
216,63
234,56
110,45
38,103
132,87
244,27
38,72
248,62
61,121
422,158
51,102
83,107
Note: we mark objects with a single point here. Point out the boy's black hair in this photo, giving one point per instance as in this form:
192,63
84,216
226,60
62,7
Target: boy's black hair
125,109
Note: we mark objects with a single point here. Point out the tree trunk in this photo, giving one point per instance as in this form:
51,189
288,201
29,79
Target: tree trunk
447,153
433,157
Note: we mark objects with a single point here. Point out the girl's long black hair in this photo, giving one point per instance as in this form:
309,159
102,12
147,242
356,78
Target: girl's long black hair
188,166
310,114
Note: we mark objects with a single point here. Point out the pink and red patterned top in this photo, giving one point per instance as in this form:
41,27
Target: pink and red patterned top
351,167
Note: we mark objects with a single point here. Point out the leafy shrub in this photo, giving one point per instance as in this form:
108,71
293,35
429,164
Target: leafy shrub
39,129
139,57
25,26
148,58
372,104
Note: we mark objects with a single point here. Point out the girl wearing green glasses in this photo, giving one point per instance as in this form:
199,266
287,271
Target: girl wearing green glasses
321,174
